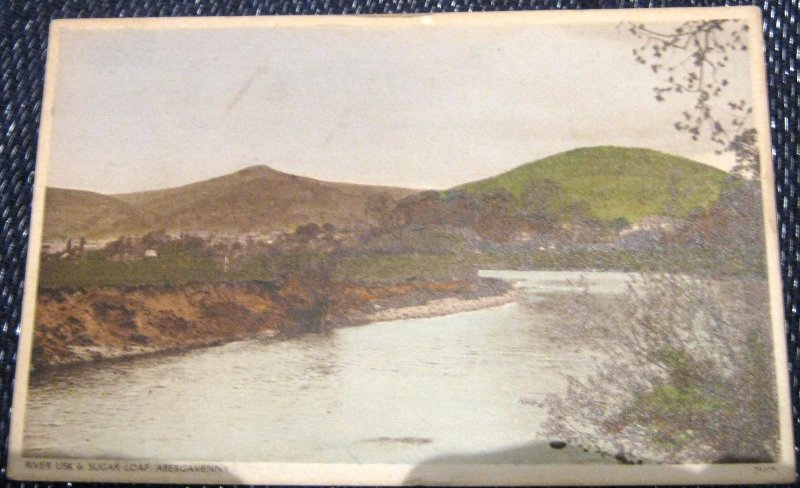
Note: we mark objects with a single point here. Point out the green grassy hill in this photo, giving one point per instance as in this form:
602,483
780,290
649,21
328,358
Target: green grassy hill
253,199
612,182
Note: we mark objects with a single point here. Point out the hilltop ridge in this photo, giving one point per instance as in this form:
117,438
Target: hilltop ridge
605,182
612,182
254,199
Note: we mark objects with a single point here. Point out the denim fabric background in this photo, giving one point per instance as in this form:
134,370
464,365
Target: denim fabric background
23,44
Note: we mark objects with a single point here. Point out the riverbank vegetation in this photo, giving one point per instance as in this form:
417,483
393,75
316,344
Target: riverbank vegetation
177,270
687,374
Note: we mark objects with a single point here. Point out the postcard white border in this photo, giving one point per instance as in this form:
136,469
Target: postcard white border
782,471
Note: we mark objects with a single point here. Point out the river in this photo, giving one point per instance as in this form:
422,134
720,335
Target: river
405,391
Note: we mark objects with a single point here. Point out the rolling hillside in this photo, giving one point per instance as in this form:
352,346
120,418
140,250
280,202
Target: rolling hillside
71,213
605,182
253,199
612,182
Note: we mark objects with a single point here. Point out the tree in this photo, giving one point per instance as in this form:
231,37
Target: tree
311,276
687,374
496,222
118,247
542,205
307,231
745,148
378,208
692,61
154,239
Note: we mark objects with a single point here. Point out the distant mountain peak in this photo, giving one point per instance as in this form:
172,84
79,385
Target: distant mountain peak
253,199
257,169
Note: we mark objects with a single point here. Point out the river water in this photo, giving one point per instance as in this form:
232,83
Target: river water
406,391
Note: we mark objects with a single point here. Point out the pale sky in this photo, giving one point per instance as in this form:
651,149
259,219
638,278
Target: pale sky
411,106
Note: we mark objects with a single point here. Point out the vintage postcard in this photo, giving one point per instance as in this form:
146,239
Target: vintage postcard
474,249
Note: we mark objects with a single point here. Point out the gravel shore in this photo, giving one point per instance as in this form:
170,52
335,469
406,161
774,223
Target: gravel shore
443,306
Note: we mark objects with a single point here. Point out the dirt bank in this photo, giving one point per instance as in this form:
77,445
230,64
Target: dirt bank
103,323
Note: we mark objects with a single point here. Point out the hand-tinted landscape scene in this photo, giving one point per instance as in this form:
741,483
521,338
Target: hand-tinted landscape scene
450,275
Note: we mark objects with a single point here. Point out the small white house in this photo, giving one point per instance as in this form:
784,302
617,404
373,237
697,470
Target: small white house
150,253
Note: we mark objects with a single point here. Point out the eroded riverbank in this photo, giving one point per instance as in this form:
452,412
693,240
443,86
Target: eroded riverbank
112,323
